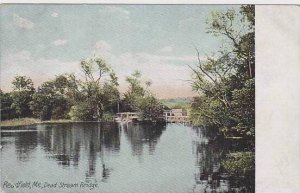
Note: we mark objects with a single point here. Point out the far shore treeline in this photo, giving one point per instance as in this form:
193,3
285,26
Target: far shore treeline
226,85
92,98
225,82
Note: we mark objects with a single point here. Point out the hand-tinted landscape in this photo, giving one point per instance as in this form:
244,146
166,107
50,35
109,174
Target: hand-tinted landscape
127,98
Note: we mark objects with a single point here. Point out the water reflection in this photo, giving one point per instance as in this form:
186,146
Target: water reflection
210,177
112,153
207,177
143,135
64,143
25,141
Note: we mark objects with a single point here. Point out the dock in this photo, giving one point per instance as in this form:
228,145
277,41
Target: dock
170,116
176,116
126,117
177,119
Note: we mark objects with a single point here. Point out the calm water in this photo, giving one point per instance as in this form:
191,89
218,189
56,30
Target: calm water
111,158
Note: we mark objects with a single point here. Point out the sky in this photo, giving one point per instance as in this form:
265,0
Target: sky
41,41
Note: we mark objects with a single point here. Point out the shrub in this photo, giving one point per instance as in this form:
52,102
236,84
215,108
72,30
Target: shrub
239,163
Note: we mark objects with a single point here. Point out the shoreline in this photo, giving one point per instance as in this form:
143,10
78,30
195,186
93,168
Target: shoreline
32,121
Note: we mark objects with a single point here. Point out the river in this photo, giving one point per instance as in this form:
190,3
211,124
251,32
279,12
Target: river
113,158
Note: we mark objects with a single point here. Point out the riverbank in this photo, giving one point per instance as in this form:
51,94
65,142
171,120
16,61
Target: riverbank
33,121
29,121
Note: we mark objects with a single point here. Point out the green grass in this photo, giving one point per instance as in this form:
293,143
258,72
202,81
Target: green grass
30,121
58,121
182,102
19,122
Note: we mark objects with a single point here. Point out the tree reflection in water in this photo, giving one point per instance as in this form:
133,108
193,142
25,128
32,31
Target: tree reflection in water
210,177
140,135
93,152
64,142
25,140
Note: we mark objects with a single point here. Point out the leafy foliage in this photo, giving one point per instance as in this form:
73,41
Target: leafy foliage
92,98
226,86
98,90
82,112
23,91
225,82
7,112
139,98
239,163
51,99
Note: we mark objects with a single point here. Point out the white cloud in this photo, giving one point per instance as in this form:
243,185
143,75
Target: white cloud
120,19
169,59
103,45
167,49
166,72
59,42
39,69
102,49
115,11
22,22
54,14
162,69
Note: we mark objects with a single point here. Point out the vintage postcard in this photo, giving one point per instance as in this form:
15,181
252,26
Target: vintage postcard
136,98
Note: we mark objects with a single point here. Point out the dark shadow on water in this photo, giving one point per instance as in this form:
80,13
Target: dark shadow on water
90,144
140,135
65,143
25,140
210,151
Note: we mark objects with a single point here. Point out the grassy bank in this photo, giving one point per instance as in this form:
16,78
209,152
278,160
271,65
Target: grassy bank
19,122
29,121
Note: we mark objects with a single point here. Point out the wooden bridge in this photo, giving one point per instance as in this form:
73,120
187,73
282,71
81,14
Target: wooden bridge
177,119
170,116
176,116
126,117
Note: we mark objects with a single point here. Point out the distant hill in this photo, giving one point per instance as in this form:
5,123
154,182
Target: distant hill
180,102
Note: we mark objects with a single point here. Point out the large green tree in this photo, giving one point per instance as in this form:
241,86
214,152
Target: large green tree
225,81
7,112
99,93
54,98
226,86
22,94
139,98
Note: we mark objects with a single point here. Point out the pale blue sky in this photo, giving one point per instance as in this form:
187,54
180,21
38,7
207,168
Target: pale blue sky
41,41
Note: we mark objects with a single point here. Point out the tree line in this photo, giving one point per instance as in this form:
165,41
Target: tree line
92,97
225,82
